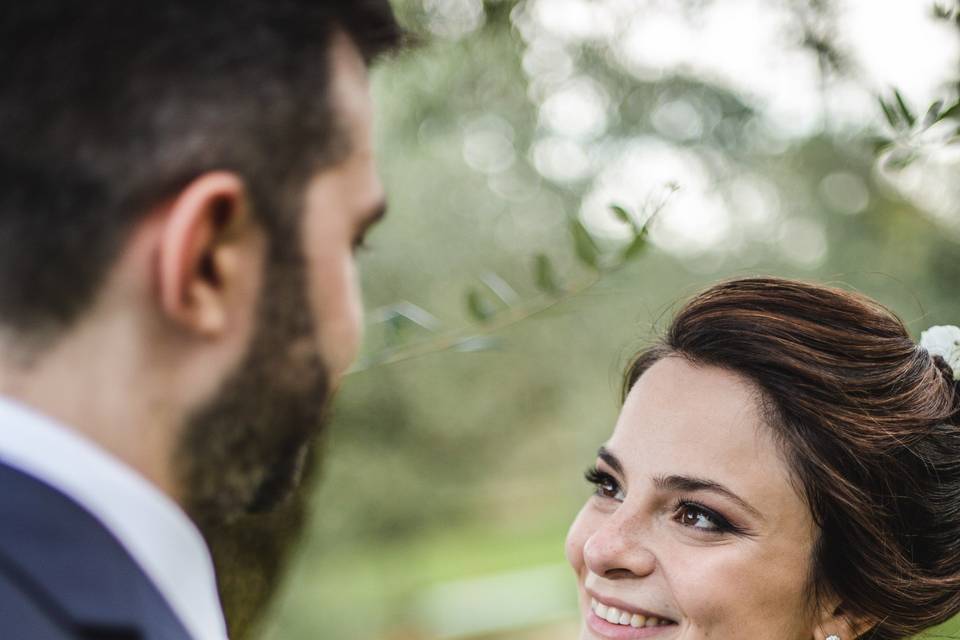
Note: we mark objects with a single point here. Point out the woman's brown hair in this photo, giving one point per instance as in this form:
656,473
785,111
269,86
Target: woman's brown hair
867,421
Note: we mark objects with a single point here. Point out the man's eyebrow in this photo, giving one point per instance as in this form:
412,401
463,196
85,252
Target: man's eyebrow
612,460
690,484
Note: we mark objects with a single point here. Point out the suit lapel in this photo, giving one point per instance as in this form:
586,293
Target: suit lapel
59,552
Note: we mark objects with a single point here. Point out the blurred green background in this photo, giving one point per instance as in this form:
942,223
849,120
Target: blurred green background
442,505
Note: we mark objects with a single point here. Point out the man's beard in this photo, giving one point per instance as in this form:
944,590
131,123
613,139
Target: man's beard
244,451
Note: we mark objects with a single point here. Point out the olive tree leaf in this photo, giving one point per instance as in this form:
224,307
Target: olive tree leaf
584,245
933,113
636,248
392,328
892,118
942,12
417,315
952,112
478,307
546,277
475,344
500,288
880,144
622,214
904,109
899,160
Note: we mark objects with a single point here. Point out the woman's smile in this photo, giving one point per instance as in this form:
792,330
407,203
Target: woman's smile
614,619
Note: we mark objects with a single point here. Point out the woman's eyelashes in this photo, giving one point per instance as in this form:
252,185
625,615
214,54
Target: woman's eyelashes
606,486
690,513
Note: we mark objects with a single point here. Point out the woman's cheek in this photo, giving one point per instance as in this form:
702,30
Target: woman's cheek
717,590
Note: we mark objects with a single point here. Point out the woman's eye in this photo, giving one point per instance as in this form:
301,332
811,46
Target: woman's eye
698,517
608,488
606,485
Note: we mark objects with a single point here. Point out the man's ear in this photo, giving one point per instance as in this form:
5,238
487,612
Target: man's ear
835,620
199,252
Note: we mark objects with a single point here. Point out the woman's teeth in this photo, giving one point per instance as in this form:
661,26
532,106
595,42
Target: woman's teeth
616,616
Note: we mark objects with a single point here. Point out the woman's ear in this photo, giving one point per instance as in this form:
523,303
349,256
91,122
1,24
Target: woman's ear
836,623
199,252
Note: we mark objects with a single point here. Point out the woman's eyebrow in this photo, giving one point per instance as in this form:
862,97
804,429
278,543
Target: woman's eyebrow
690,484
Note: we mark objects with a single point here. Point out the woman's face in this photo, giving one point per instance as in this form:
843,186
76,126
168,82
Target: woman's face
695,530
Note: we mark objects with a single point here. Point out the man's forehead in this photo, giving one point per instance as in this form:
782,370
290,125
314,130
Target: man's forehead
350,84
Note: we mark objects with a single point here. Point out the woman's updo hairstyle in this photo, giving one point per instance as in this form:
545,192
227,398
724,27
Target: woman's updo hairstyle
866,420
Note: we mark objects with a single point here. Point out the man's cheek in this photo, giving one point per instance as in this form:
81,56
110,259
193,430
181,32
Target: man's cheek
339,316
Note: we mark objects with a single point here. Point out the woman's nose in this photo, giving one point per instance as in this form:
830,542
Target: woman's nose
618,549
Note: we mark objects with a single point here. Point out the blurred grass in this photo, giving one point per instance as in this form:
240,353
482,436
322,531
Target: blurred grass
948,630
372,590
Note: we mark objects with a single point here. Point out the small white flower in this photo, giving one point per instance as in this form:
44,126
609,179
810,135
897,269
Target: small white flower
943,341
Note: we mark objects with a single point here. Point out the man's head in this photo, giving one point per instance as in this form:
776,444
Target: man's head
184,183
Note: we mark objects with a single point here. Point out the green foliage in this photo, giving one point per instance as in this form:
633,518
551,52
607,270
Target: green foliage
910,139
584,245
945,12
491,317
623,215
479,307
933,113
904,110
893,118
636,247
546,276
952,112
879,144
476,344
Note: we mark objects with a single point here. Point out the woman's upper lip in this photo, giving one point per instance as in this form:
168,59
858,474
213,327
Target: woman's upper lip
625,606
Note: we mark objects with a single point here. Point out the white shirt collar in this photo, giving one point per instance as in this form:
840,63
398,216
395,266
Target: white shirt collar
153,529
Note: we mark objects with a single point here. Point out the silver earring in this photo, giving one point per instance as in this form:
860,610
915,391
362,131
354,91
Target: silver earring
833,637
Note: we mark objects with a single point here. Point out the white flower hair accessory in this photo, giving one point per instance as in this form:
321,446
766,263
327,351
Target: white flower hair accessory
943,341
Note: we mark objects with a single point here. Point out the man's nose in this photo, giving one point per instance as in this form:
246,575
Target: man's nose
618,548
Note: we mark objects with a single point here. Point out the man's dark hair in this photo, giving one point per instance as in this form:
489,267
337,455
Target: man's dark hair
108,107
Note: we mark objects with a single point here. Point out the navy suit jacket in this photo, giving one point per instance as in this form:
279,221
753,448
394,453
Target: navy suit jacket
64,576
